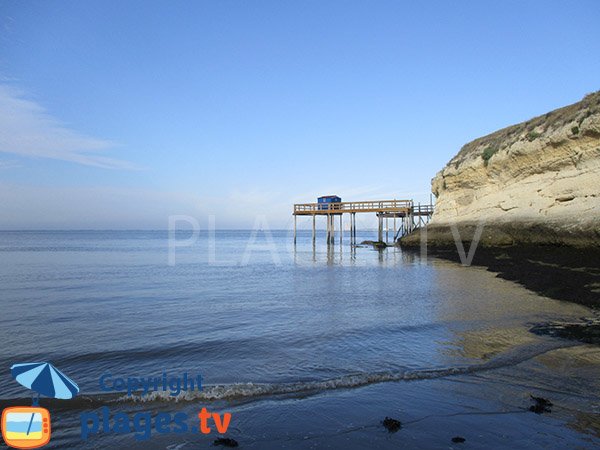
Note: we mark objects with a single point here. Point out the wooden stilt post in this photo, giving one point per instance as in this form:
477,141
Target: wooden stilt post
314,226
295,219
380,228
341,228
350,216
387,237
332,229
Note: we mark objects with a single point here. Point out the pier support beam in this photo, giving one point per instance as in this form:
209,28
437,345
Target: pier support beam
295,220
314,229
341,228
387,228
332,218
330,229
380,228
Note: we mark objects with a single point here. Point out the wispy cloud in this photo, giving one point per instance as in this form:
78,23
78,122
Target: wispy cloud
27,129
8,164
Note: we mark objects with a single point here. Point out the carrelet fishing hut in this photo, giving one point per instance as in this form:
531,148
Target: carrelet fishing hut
328,202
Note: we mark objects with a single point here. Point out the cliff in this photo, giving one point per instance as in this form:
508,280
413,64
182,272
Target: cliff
537,182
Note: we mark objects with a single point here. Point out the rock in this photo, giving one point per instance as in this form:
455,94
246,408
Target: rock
458,439
588,330
392,425
376,244
225,442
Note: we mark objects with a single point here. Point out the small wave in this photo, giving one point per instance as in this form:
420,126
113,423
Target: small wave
251,390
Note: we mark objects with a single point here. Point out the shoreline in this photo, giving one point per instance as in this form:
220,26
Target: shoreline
559,272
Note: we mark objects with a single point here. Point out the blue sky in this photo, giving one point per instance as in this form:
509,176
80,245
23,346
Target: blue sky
118,114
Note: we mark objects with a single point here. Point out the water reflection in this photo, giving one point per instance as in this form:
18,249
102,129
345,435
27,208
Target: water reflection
352,255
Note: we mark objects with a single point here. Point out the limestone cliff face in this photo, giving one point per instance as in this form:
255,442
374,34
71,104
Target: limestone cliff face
535,182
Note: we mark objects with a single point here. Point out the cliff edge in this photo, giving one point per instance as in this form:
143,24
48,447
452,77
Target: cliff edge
537,182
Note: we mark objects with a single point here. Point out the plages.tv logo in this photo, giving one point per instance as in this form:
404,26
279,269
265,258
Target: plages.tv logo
29,426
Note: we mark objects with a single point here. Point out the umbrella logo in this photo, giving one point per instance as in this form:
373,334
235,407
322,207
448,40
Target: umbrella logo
29,426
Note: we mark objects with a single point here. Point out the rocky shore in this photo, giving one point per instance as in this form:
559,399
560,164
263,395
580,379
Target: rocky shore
558,272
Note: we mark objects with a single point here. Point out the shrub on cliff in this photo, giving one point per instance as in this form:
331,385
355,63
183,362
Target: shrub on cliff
488,152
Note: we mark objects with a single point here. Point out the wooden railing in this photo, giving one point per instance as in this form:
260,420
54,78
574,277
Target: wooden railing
422,210
341,207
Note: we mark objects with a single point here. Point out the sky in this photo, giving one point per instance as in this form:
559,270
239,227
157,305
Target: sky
119,114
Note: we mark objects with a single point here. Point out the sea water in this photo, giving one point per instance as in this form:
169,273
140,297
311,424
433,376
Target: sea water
306,345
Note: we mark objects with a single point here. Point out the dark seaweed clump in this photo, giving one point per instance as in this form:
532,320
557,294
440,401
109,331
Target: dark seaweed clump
541,405
226,442
392,425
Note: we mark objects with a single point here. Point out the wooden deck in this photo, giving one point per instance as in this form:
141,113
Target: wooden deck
388,208
412,216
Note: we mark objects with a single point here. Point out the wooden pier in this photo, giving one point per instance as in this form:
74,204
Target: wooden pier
410,217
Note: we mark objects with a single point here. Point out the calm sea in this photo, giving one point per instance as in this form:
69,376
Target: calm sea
268,324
